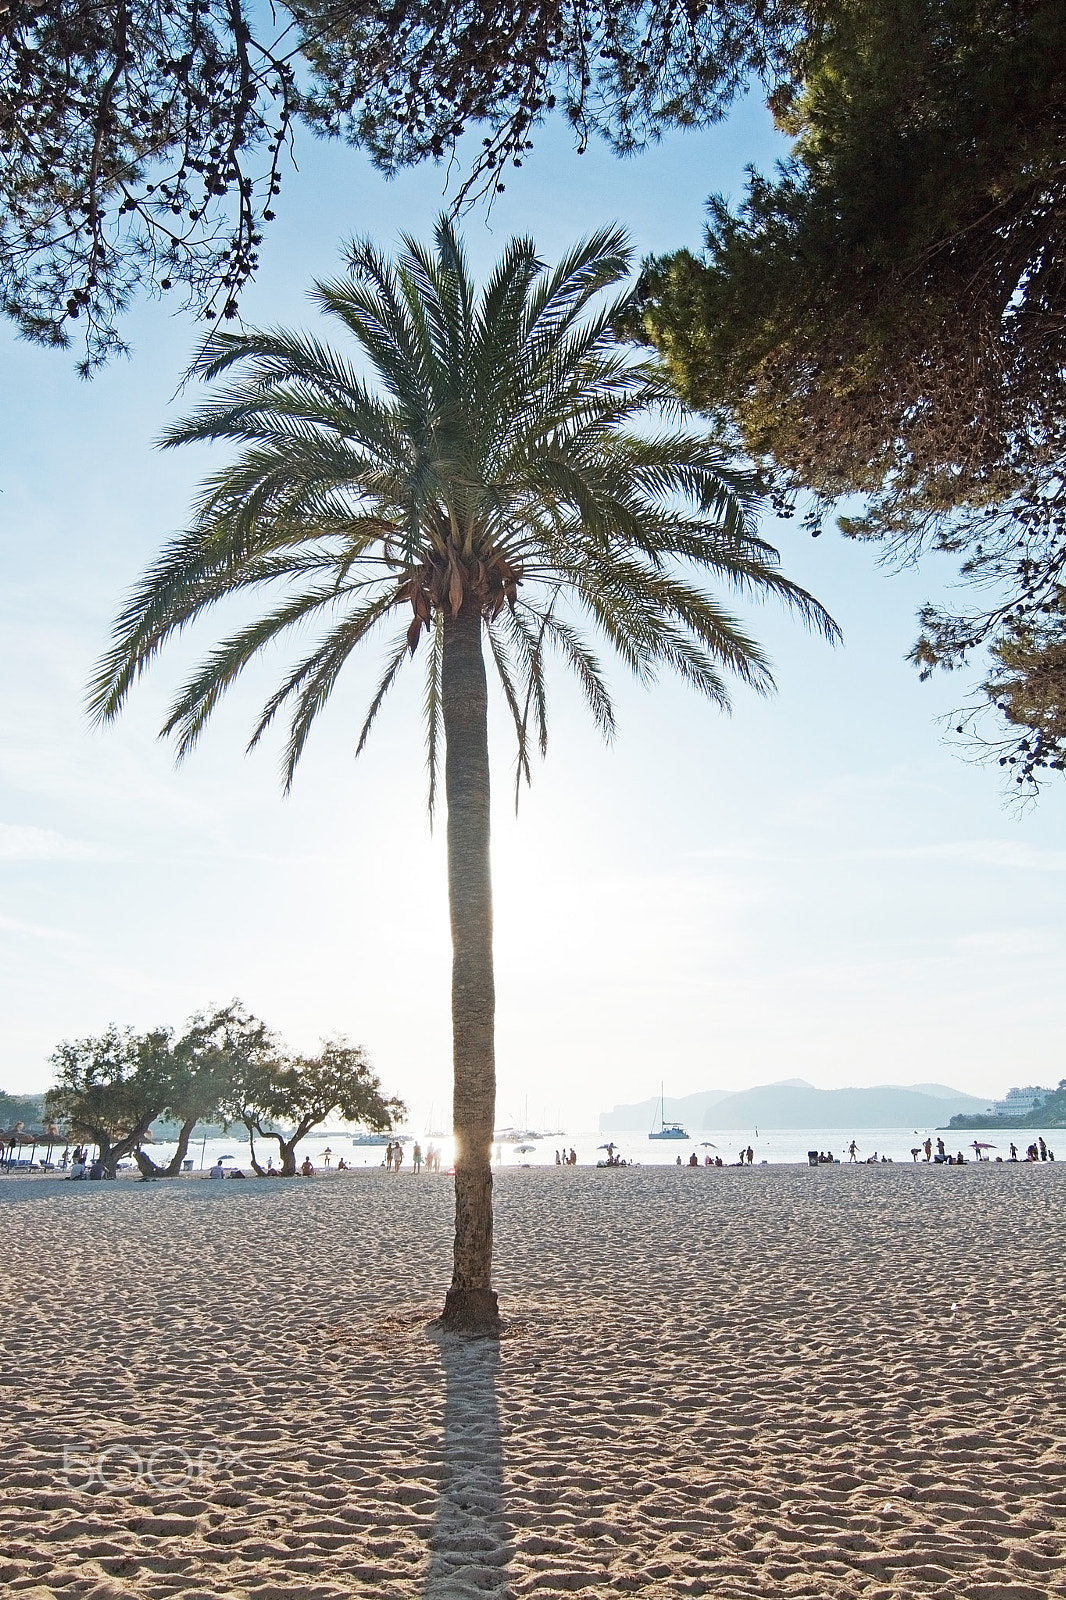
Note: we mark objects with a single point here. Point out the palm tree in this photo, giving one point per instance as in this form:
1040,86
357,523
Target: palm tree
490,491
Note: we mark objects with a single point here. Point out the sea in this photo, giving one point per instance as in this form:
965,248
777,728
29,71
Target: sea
774,1146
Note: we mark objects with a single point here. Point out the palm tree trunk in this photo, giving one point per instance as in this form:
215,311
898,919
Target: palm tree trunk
471,1305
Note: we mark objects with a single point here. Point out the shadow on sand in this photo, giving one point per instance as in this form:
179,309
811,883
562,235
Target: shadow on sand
469,1548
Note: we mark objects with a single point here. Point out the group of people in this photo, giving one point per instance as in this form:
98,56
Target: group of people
1038,1151
82,1167
568,1158
394,1157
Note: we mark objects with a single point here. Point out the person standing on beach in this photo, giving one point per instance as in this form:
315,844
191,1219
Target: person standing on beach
397,1156
388,1156
751,1155
853,1151
928,1148
1013,1151
416,1157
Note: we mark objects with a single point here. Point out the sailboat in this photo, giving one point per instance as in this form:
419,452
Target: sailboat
667,1130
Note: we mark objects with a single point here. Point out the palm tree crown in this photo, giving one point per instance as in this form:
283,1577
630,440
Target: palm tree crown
494,461
491,492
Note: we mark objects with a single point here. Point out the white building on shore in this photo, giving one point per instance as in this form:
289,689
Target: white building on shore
1020,1102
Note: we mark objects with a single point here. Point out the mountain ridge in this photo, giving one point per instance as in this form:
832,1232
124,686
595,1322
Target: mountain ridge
796,1104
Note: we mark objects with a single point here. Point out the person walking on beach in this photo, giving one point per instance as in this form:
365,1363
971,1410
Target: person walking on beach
1013,1151
928,1148
397,1156
388,1156
853,1151
416,1157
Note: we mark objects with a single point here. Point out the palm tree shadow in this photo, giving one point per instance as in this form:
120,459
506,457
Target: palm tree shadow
469,1545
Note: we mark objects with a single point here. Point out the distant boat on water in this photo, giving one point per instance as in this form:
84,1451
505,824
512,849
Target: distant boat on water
667,1130
363,1139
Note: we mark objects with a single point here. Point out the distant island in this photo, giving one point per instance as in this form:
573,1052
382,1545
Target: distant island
795,1103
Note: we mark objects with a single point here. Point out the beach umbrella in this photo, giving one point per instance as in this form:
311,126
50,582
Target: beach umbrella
982,1144
705,1144
524,1149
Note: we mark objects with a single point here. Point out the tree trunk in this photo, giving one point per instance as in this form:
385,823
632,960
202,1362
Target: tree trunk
148,1167
259,1171
471,1305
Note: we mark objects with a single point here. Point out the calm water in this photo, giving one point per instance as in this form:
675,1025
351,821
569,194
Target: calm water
771,1145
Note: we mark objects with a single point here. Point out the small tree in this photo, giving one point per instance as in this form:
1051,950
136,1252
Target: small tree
284,1099
203,1064
111,1089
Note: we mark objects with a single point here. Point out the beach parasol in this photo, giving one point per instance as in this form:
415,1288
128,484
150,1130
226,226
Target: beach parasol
524,1149
982,1144
705,1144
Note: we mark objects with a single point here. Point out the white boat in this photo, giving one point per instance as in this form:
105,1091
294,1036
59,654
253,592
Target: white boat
667,1130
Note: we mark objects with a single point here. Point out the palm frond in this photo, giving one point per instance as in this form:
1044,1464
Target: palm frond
506,438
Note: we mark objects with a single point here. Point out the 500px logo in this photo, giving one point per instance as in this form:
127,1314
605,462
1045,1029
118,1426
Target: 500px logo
120,1467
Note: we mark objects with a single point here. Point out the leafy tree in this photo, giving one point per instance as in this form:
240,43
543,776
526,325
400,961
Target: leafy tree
888,316
489,496
203,1064
141,141
110,1089
20,1108
283,1100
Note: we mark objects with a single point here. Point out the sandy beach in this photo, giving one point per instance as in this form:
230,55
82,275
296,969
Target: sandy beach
779,1381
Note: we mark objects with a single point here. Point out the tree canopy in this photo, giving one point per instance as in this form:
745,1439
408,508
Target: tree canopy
887,316
226,1066
142,141
284,1099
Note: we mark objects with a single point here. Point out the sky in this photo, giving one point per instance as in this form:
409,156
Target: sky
817,886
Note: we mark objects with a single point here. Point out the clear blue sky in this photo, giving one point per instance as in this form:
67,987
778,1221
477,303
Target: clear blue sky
816,887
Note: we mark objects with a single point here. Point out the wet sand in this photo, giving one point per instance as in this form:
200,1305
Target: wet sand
781,1381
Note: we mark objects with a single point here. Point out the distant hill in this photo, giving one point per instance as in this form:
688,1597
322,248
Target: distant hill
795,1104
645,1114
25,1108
